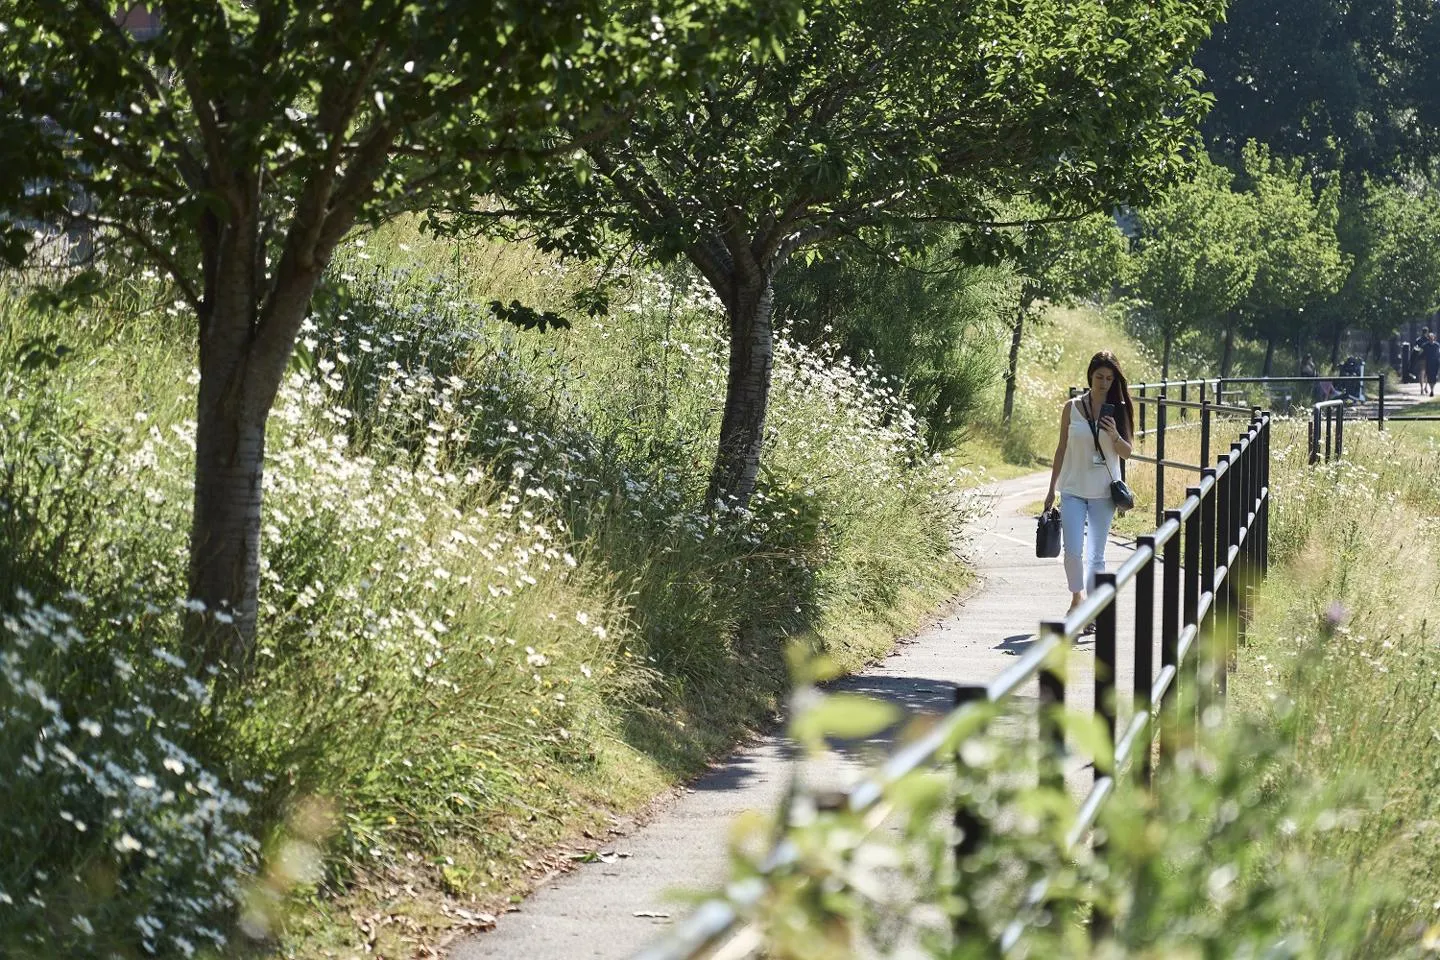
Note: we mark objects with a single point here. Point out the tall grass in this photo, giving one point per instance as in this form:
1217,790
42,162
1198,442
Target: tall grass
1301,822
1346,633
493,607
1054,355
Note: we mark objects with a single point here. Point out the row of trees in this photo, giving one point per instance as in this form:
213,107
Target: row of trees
1270,250
1281,255
237,148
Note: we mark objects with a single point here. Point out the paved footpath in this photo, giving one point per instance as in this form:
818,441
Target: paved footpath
609,909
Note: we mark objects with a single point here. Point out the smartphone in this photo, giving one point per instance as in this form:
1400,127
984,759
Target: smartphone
1107,409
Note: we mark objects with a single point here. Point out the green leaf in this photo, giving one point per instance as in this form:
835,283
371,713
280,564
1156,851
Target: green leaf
848,716
528,318
1089,733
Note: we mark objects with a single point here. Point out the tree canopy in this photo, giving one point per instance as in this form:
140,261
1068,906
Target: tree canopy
880,115
1058,261
1194,257
1394,234
1353,86
1298,261
236,147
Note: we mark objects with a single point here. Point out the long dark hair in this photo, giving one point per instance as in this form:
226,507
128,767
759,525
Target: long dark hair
1119,394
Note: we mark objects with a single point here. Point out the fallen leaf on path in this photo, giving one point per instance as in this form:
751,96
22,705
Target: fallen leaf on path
595,856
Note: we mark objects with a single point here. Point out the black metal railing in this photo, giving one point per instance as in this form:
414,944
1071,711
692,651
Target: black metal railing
1204,559
1328,417
1219,397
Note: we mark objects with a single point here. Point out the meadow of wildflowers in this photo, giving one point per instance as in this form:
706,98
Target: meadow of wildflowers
493,605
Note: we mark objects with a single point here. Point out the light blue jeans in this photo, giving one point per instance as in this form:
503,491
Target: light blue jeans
1084,527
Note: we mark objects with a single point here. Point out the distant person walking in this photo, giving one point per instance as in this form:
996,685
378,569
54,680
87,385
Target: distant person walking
1307,369
1417,357
1095,437
1430,350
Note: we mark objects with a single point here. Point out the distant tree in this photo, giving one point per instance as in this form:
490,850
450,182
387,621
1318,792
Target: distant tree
882,113
236,148
1352,86
1194,258
1058,261
1392,232
1298,261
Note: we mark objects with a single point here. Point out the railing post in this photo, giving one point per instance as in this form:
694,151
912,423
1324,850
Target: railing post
1380,399
1249,519
1194,534
1220,391
1184,397
1329,427
1105,629
1221,607
1236,579
1314,436
1170,639
970,827
1265,492
1144,653
1204,429
1162,416
1205,631
1051,727
1141,435
1340,431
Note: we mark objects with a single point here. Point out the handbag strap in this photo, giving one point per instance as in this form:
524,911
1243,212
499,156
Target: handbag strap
1095,433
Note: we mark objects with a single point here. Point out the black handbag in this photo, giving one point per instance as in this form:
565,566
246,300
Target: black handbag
1120,492
1047,534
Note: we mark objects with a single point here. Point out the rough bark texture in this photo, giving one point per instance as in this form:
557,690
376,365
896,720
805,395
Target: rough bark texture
248,326
1017,333
747,395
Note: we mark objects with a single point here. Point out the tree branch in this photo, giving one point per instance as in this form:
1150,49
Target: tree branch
162,257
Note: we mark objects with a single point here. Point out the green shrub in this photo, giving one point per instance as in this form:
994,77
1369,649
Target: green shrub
931,323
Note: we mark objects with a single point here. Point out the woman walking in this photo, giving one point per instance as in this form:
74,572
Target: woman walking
1095,436
1430,352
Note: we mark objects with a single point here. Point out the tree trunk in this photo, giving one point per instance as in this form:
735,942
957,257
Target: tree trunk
1165,358
225,530
1017,332
247,332
747,395
1228,354
1269,357
1335,346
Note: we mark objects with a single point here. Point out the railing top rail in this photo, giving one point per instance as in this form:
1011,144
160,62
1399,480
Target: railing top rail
1234,408
1332,377
1175,383
716,918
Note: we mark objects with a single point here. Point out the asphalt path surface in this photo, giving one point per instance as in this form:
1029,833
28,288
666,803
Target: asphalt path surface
608,909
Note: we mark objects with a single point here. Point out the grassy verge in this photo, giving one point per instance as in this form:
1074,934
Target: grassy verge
1053,359
494,610
1343,653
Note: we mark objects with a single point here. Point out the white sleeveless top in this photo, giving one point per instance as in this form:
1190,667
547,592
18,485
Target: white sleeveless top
1080,475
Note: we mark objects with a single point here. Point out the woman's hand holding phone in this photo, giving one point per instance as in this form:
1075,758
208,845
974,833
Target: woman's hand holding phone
1107,419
